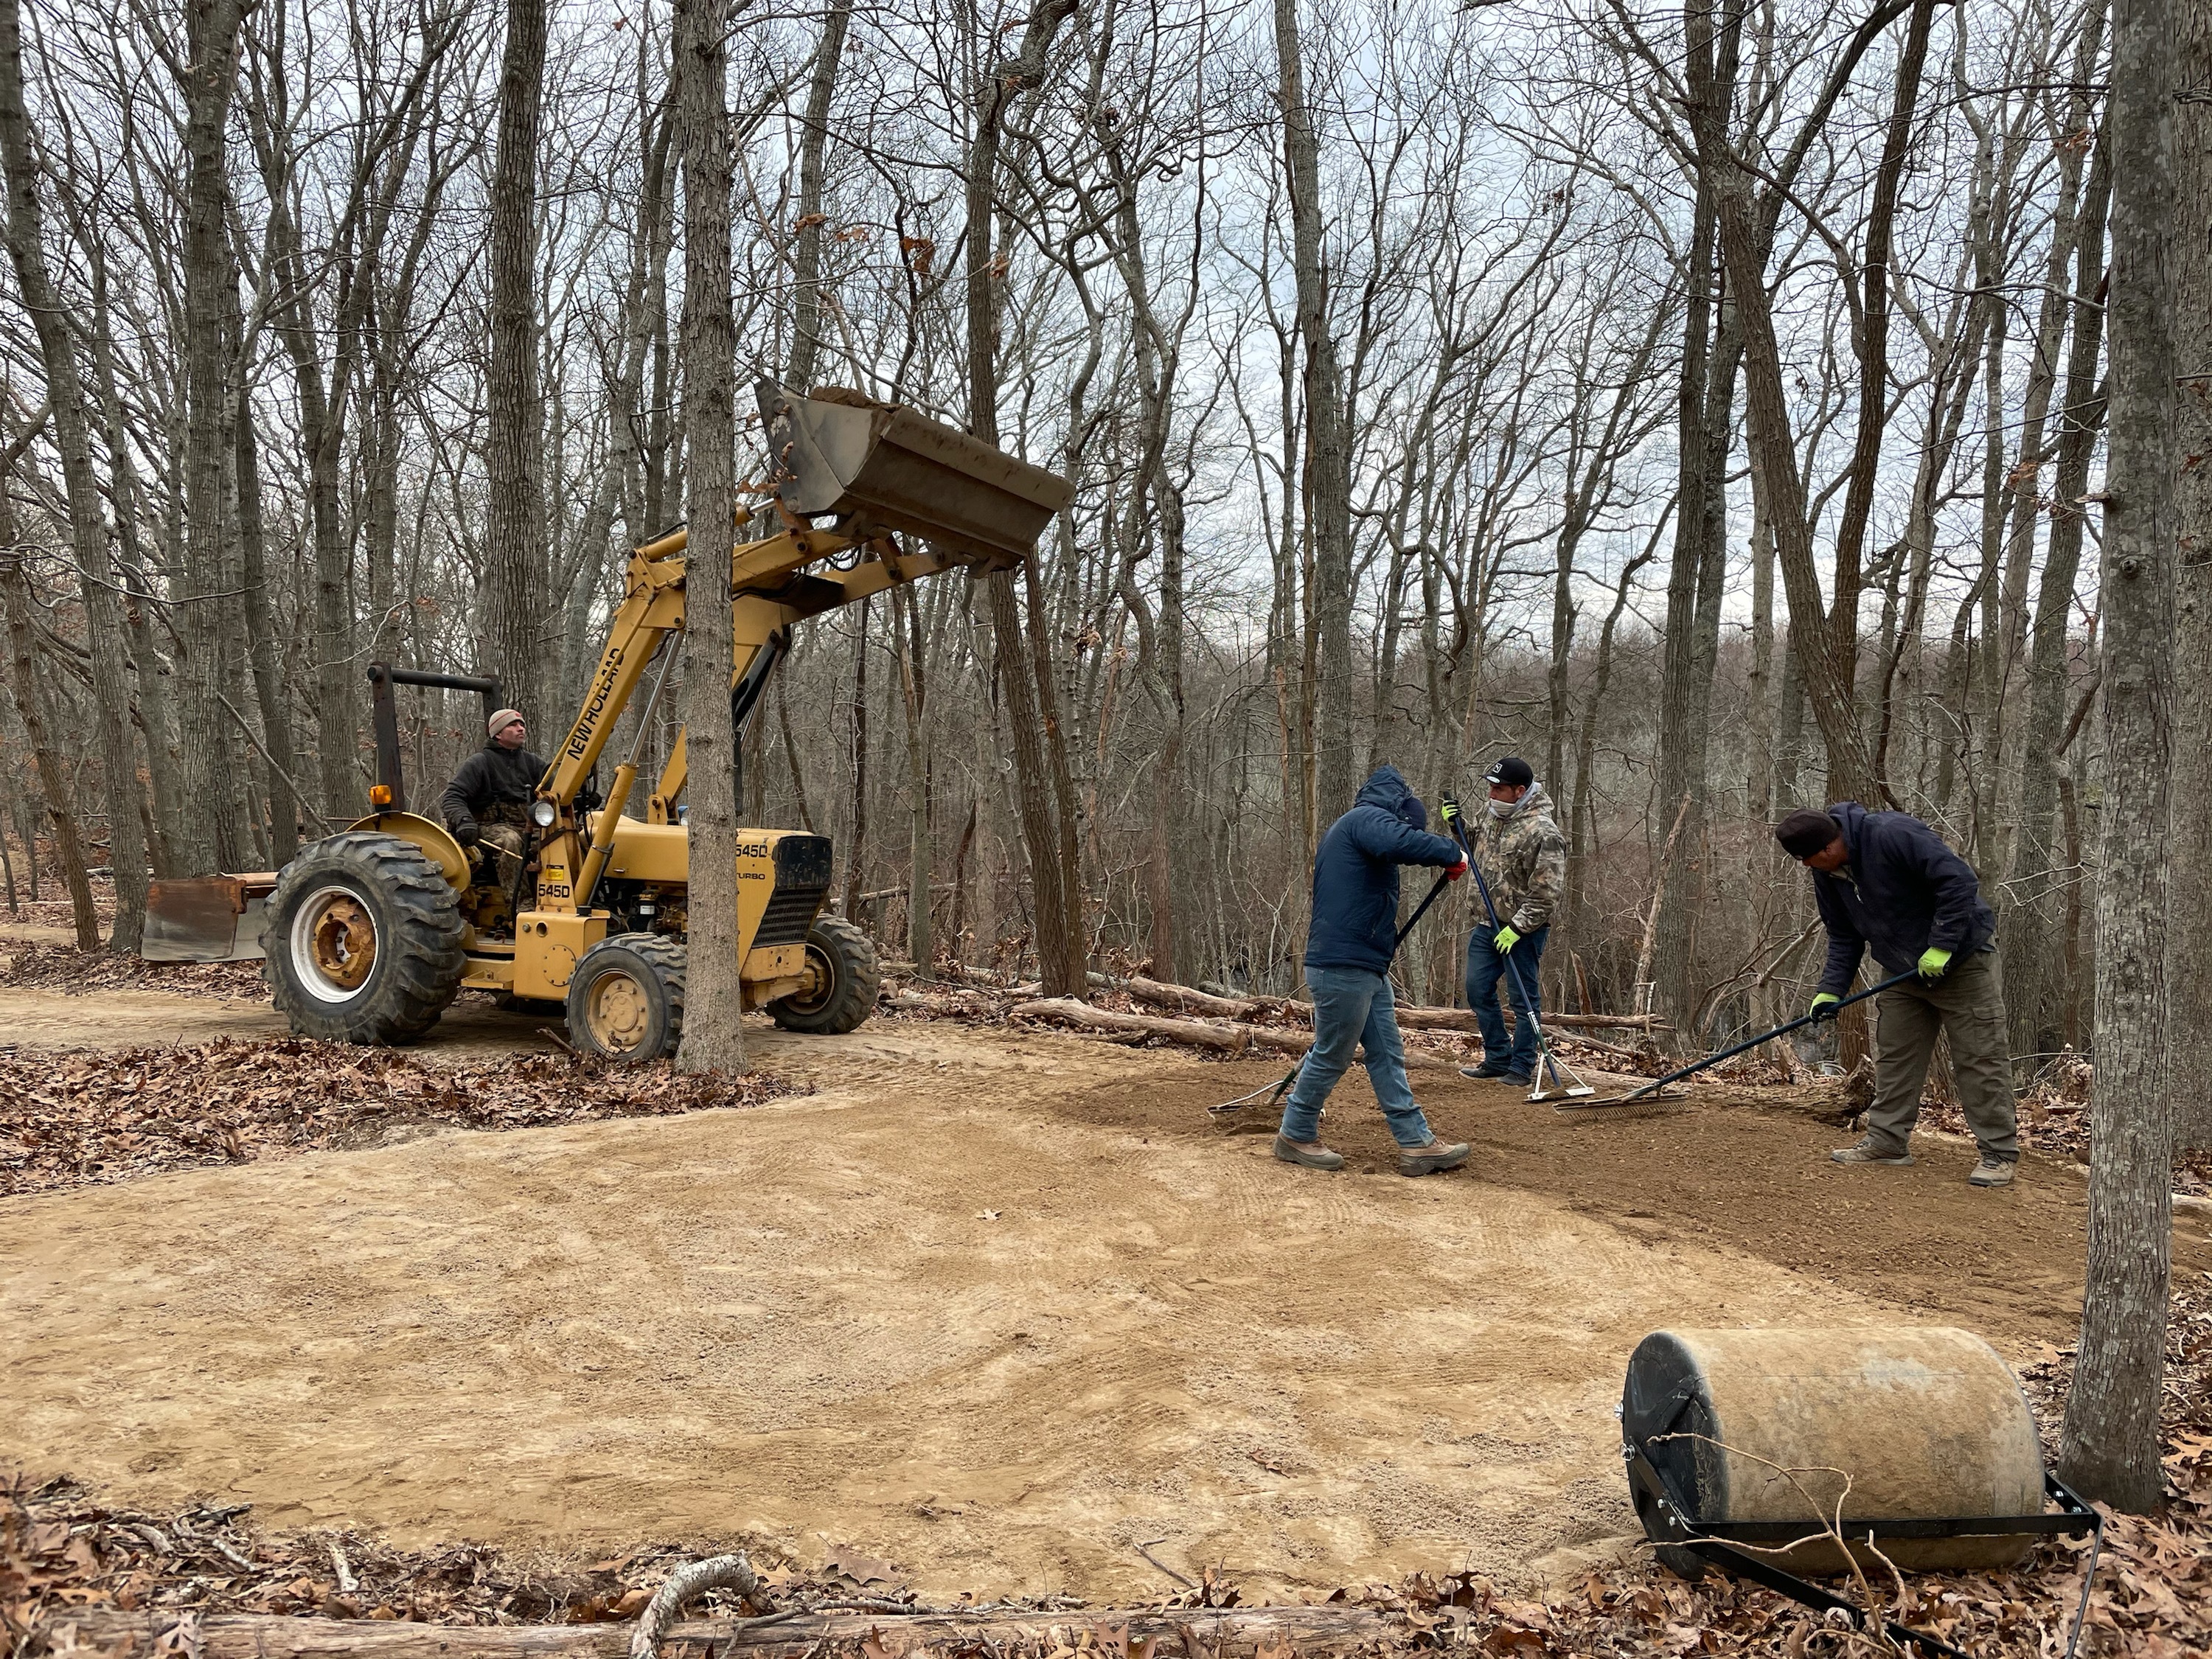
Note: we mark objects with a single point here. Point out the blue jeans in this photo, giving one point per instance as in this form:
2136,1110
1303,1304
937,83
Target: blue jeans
1484,967
1352,1006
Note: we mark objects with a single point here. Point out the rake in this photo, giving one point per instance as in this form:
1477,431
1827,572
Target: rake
1650,1090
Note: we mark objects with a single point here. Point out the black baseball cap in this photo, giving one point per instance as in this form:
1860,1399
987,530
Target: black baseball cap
1513,772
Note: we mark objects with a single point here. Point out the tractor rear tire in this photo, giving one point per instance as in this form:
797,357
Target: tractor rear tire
626,998
363,942
847,981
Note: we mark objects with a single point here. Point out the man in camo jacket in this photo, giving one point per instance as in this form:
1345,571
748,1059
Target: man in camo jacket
1523,856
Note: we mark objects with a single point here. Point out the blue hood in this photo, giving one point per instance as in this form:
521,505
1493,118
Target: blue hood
1355,877
1386,788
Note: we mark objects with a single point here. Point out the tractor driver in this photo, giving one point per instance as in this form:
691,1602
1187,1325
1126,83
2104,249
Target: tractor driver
487,806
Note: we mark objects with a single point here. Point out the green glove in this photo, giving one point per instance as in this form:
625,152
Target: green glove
1449,811
1933,962
1504,940
1824,1006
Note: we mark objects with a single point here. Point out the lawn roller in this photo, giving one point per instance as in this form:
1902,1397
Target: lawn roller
1650,1090
1562,1076
1290,1076
1776,1453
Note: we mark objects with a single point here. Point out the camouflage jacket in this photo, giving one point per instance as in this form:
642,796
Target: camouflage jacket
1524,857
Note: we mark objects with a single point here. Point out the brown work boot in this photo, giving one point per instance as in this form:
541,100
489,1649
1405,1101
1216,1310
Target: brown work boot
1431,1159
1310,1153
1992,1172
1867,1152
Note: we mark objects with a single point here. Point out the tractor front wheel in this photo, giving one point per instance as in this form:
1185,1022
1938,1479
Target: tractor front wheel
626,998
842,981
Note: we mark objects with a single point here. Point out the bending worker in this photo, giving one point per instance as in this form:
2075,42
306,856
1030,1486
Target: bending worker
1353,936
1524,859
1886,882
488,802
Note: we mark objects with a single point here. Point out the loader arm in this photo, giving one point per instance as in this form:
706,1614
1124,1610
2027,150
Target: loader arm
773,587
907,498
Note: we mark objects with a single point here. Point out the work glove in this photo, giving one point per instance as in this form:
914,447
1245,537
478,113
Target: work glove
1447,810
1504,940
1454,871
1933,962
468,835
1824,1006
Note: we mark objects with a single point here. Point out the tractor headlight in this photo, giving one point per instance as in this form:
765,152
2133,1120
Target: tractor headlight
542,813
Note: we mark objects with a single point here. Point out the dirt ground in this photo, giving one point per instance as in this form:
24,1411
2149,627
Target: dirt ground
997,1307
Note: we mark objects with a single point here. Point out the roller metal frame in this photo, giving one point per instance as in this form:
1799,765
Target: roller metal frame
1669,1520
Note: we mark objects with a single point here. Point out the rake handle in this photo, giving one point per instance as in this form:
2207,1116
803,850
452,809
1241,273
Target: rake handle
1695,1067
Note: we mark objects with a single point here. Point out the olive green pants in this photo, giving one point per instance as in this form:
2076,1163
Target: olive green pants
1968,1003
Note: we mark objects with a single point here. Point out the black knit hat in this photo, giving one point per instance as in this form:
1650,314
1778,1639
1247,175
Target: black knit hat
1513,772
1806,831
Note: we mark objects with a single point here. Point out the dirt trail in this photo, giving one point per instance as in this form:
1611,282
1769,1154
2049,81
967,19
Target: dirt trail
996,1307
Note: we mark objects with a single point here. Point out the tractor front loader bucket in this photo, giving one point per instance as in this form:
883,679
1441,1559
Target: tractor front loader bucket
206,918
879,467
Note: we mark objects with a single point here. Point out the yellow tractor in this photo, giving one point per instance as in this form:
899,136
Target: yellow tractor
368,935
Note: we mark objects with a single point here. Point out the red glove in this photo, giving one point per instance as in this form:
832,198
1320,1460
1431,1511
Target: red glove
1454,871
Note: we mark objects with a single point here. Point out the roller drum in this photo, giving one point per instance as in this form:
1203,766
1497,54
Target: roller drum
1926,1423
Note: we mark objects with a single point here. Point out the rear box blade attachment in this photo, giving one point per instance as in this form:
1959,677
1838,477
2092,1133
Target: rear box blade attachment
206,919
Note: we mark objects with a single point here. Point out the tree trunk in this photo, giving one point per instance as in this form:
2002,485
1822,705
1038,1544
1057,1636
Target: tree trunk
856,855
88,533
517,573
905,633
806,250
714,1034
2110,1449
1024,669
155,712
2188,945
23,672
2035,926
1329,440
212,831
287,813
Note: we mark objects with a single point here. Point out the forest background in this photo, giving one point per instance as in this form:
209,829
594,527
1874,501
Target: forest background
1401,354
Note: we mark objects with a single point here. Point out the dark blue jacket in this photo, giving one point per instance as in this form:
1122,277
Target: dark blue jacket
1355,876
1901,892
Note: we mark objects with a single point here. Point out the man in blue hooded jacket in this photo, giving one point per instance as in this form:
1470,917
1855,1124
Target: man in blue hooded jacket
1886,883
1348,950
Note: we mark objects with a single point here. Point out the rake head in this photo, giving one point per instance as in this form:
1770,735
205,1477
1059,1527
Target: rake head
1556,1080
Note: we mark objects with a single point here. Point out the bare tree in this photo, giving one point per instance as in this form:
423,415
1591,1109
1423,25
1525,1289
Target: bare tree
2189,845
714,1034
88,535
2110,1447
518,570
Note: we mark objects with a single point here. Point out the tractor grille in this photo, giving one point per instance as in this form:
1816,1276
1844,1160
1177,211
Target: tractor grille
802,882
790,913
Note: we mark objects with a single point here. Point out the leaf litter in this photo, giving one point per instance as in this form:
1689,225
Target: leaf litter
82,1118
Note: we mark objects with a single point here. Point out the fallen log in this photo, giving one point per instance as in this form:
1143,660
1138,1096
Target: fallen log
1185,1000
1413,1017
1066,1010
1199,1634
1234,1039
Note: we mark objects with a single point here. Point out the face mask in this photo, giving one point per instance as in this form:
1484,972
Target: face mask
1503,809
